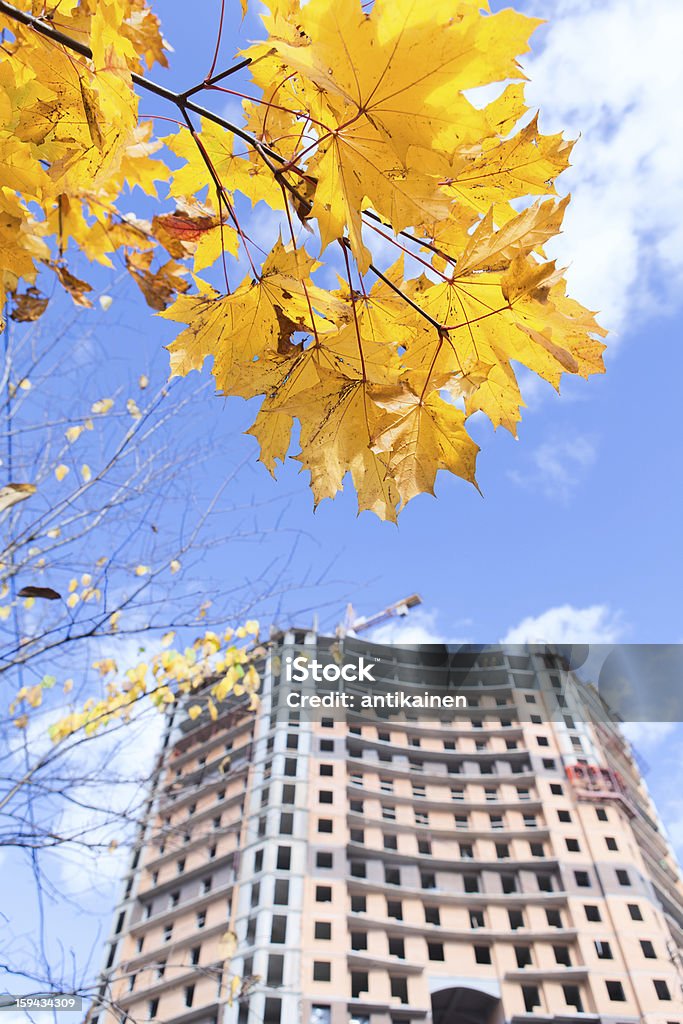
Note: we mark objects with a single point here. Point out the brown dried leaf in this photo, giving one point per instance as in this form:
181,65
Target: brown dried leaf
12,494
29,306
76,288
158,286
46,593
180,231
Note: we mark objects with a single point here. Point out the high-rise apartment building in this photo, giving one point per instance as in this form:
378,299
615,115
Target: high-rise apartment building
505,864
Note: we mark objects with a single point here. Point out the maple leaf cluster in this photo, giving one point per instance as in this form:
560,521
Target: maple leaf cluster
71,142
359,127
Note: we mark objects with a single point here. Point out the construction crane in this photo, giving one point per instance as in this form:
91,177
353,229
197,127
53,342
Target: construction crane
355,625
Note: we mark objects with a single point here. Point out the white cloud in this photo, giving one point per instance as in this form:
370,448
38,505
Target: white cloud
418,627
124,755
611,72
648,734
597,624
557,467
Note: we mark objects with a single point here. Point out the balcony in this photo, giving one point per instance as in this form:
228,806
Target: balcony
466,899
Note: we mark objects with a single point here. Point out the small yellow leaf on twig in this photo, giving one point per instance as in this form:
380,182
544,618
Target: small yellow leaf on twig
142,570
227,944
86,473
73,433
235,986
175,566
143,381
102,406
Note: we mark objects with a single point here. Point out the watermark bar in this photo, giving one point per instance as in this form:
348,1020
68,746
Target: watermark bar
54,1002
346,678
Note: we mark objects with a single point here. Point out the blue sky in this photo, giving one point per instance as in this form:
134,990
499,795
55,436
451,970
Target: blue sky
577,535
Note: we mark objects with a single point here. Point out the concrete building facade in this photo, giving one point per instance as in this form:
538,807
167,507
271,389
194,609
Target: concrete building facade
504,865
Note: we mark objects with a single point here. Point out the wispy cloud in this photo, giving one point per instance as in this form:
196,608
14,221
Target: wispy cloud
557,467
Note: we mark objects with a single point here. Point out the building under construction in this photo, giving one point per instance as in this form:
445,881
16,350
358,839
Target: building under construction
503,865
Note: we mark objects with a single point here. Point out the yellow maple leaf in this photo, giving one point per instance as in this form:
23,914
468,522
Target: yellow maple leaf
392,83
496,171
254,323
237,172
60,471
337,431
420,435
